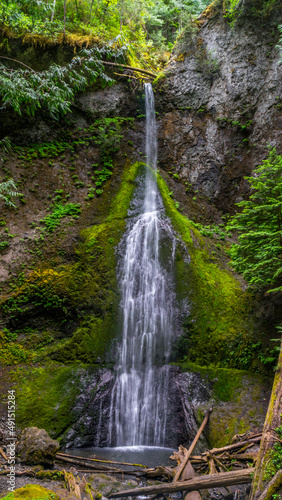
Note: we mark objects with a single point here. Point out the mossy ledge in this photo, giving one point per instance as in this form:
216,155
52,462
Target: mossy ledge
218,323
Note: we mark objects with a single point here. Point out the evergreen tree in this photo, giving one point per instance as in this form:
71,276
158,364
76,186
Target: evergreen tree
258,254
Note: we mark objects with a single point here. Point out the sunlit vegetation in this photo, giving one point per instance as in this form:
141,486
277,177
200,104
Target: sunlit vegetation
158,22
137,33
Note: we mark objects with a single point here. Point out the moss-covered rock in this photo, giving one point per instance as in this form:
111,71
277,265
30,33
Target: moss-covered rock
36,447
52,475
239,401
31,492
46,395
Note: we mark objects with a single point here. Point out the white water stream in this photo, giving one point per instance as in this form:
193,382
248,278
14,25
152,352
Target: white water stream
139,401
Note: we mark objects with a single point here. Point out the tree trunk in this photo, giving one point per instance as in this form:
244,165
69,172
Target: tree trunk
272,487
53,11
90,12
65,15
76,8
272,421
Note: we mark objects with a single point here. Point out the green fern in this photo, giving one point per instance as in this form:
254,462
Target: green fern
54,89
8,190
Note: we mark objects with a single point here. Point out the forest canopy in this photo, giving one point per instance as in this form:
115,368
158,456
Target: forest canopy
156,21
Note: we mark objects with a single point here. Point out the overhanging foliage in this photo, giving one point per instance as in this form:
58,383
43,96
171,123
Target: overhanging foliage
55,88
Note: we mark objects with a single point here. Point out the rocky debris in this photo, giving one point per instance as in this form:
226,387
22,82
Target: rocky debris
62,483
36,447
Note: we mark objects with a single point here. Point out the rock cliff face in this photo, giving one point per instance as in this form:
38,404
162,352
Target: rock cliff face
219,106
220,102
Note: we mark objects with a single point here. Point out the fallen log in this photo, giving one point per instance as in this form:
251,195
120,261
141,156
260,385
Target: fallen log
181,467
212,467
132,68
159,471
117,471
215,451
108,63
88,459
89,465
29,473
198,483
189,473
220,465
244,456
243,437
18,62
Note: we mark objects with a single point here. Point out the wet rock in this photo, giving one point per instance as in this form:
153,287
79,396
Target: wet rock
91,410
36,447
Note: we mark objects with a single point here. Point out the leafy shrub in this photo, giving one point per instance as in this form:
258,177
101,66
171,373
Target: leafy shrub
3,245
8,190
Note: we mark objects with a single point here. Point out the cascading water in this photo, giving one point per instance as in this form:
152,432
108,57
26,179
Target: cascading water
138,410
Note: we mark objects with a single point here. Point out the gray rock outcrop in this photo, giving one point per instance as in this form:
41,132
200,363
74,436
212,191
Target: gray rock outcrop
36,447
220,102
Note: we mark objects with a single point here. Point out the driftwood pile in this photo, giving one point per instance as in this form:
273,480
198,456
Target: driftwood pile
218,467
214,467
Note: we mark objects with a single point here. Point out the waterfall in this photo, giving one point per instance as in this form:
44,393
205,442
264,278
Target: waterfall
139,402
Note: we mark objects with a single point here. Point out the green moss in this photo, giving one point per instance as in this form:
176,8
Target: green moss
218,306
52,475
225,382
91,282
225,426
120,204
45,396
31,492
13,353
241,393
85,290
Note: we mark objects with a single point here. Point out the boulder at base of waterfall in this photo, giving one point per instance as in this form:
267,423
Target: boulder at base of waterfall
36,447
